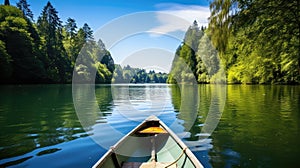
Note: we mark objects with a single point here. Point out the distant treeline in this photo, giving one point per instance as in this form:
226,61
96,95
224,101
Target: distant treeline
128,74
248,41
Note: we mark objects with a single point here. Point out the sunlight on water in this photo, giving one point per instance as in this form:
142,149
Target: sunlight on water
39,124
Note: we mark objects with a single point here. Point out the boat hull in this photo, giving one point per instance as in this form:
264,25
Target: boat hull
137,149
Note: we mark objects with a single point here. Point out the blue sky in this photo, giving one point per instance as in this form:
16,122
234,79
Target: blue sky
132,28
85,10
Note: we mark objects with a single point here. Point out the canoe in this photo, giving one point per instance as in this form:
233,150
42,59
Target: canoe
150,144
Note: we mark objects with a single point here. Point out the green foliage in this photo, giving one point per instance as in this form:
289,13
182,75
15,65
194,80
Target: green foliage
90,64
16,35
94,62
196,59
88,32
24,7
46,51
220,23
71,40
71,27
184,64
5,63
208,63
103,74
137,75
50,27
258,41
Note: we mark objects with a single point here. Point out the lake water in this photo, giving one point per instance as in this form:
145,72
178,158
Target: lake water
224,126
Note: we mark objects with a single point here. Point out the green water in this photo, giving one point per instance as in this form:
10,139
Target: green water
257,126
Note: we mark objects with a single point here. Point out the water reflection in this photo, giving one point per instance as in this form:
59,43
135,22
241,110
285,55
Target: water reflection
200,108
137,102
258,128
34,117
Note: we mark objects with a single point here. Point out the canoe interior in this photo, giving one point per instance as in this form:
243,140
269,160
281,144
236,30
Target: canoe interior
135,149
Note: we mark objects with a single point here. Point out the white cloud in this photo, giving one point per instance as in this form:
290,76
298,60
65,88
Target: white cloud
175,17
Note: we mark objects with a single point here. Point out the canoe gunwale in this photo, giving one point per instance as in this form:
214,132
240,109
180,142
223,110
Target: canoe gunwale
112,148
184,148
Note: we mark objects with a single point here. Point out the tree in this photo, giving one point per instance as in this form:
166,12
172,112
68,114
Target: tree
192,36
258,40
6,2
88,32
20,52
48,24
208,63
105,57
94,58
45,51
222,12
83,36
24,7
118,74
184,64
79,41
71,27
177,66
71,39
50,27
128,74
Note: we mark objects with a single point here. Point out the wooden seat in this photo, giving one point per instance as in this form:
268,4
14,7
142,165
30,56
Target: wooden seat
148,165
158,165
153,130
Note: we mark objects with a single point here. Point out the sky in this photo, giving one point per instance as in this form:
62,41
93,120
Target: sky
141,33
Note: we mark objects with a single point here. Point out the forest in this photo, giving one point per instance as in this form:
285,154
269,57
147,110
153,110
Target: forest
46,51
250,42
43,51
128,74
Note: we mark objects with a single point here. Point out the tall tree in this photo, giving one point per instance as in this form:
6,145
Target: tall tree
88,32
207,60
71,27
84,35
6,2
71,38
105,57
48,24
184,64
24,7
50,27
192,36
